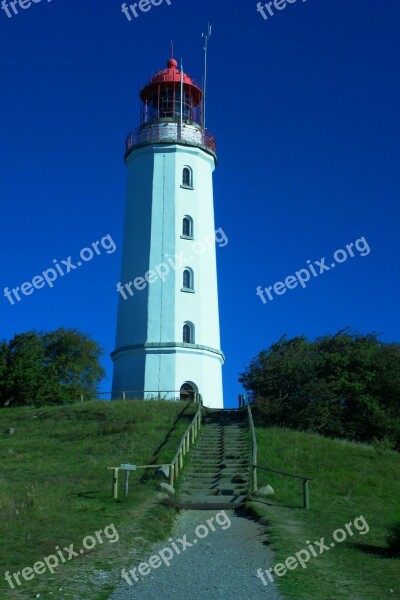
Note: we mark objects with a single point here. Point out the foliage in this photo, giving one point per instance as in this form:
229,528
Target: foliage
48,368
393,538
345,385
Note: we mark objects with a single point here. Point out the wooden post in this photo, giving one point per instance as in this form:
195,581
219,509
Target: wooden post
306,494
171,475
181,458
81,398
123,396
255,484
115,474
193,436
126,488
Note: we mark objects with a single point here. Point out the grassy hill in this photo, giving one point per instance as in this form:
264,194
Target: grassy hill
350,480
55,490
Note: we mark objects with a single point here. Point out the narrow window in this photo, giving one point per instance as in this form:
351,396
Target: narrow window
187,227
187,178
188,279
188,333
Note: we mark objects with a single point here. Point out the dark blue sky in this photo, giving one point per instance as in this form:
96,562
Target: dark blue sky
305,110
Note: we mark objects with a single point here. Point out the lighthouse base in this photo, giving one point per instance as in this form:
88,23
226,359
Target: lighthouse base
170,371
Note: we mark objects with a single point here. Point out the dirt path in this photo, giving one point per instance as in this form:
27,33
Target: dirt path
221,565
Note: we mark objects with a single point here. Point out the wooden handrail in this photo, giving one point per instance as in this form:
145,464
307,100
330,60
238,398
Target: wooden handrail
288,474
254,466
253,450
188,437
306,493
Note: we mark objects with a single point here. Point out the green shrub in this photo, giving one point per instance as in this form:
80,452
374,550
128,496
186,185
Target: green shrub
393,539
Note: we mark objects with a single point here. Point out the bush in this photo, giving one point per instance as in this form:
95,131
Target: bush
343,385
393,539
38,368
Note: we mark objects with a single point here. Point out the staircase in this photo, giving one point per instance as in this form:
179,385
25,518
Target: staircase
218,473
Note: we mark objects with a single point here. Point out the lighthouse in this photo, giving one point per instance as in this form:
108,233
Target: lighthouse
168,334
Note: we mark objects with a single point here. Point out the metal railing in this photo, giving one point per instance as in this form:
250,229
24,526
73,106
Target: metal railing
170,132
170,395
255,466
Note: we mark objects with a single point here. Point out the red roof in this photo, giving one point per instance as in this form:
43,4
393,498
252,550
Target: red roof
171,75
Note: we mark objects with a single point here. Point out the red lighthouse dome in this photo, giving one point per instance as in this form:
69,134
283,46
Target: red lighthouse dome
171,112
162,96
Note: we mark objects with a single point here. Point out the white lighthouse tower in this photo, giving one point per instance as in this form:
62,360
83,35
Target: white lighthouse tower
168,337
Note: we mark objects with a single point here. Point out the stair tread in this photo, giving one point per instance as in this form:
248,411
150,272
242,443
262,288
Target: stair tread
218,471
214,499
230,491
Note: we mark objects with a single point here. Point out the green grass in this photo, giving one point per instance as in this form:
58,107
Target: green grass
350,480
55,490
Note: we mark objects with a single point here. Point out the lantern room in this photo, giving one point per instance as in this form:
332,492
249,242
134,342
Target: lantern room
162,98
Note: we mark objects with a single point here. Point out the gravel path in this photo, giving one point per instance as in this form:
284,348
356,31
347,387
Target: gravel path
222,565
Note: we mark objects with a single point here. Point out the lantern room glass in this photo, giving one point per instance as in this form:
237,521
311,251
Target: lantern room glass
166,104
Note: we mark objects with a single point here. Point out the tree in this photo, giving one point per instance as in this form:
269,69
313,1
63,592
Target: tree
75,359
3,369
345,385
48,368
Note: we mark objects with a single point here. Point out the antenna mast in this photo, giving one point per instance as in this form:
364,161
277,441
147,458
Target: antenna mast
206,37
181,94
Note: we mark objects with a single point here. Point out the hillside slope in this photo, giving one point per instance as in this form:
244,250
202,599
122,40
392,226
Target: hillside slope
351,480
55,491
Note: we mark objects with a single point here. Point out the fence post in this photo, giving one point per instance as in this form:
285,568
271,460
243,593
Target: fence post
306,494
193,438
126,488
123,396
115,474
171,475
181,458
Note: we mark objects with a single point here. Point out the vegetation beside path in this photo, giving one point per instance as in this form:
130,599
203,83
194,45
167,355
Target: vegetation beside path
55,490
350,480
